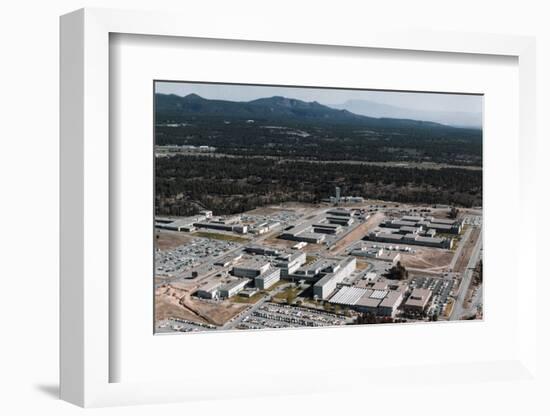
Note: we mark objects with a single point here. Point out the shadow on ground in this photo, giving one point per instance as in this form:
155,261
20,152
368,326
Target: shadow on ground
51,390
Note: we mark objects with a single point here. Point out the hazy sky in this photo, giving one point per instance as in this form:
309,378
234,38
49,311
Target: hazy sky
422,102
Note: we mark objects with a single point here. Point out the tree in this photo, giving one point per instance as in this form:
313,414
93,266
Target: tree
398,272
453,213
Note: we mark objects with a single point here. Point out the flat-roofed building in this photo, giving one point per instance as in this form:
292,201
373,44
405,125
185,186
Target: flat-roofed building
250,269
323,288
412,218
290,262
266,251
232,288
228,260
310,272
418,300
369,302
209,290
310,237
186,224
341,220
390,304
327,228
339,212
207,213
267,278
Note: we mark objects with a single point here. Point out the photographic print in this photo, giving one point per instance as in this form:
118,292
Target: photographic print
292,207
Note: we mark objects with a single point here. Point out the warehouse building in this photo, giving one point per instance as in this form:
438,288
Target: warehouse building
267,279
422,225
339,212
414,239
345,221
232,288
378,300
327,228
221,225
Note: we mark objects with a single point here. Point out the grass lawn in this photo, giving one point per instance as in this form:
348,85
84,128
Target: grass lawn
217,236
292,291
250,300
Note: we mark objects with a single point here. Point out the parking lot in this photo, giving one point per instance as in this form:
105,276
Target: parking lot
271,315
441,289
185,257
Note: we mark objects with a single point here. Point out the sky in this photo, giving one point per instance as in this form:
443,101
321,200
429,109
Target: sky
452,109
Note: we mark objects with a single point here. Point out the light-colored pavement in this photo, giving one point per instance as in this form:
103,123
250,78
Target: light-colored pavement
460,247
458,309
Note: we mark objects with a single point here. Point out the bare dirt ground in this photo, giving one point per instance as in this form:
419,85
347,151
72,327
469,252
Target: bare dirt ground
362,265
171,239
358,233
172,302
431,259
469,245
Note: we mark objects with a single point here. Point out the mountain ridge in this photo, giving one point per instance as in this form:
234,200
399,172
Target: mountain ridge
273,109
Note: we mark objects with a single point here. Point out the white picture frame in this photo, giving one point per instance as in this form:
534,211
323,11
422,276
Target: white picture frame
86,356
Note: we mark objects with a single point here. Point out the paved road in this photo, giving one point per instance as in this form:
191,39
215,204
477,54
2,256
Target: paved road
460,247
458,309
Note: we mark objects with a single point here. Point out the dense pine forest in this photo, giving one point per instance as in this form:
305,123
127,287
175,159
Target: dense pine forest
278,150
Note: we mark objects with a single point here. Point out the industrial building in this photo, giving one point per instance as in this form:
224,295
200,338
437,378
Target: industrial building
311,272
336,274
301,233
377,253
223,225
416,224
267,279
264,251
209,290
186,224
337,198
251,269
264,227
232,288
339,212
417,301
288,263
316,230
228,260
391,236
204,220
378,300
327,228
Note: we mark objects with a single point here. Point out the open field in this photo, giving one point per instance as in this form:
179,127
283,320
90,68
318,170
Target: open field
428,258
171,302
167,240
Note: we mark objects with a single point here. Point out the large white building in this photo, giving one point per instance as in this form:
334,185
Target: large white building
209,290
290,262
336,274
267,279
232,288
